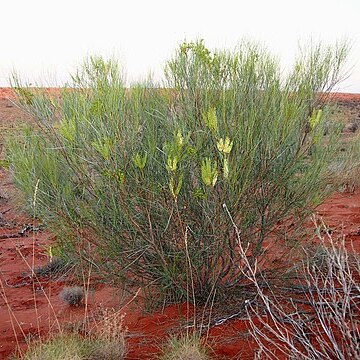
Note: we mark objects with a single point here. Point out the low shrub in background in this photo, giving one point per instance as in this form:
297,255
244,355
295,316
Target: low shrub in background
136,179
345,169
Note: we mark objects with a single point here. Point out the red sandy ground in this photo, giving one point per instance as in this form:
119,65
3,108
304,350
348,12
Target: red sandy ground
29,307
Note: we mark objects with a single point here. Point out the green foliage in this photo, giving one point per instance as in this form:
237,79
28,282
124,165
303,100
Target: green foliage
140,176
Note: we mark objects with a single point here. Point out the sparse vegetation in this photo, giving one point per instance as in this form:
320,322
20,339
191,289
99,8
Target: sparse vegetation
345,169
110,334
104,340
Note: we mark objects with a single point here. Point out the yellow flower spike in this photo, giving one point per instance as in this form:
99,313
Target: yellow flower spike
215,176
172,186
209,173
179,139
225,146
179,185
315,118
140,161
175,188
67,128
211,120
172,164
104,147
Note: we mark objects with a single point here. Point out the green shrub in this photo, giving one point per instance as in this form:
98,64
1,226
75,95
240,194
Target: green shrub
140,178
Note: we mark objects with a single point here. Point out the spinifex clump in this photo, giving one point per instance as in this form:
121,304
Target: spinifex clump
143,180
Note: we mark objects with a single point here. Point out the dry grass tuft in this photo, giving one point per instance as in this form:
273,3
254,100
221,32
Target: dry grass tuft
110,335
188,347
61,347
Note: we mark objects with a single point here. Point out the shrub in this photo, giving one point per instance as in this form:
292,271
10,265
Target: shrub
138,177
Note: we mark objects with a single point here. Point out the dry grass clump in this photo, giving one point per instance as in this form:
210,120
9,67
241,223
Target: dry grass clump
61,347
105,341
188,347
110,335
109,351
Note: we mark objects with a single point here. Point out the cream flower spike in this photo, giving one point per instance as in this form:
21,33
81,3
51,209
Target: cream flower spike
225,146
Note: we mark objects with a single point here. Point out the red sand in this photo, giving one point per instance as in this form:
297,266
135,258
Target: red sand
19,293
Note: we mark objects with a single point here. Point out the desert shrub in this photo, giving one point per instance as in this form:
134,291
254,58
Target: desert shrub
139,176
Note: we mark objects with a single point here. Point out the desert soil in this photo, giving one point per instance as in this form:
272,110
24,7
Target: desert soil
29,306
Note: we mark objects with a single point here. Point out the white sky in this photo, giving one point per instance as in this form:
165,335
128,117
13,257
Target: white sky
44,40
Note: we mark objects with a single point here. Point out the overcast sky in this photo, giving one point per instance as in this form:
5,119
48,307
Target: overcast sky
44,40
